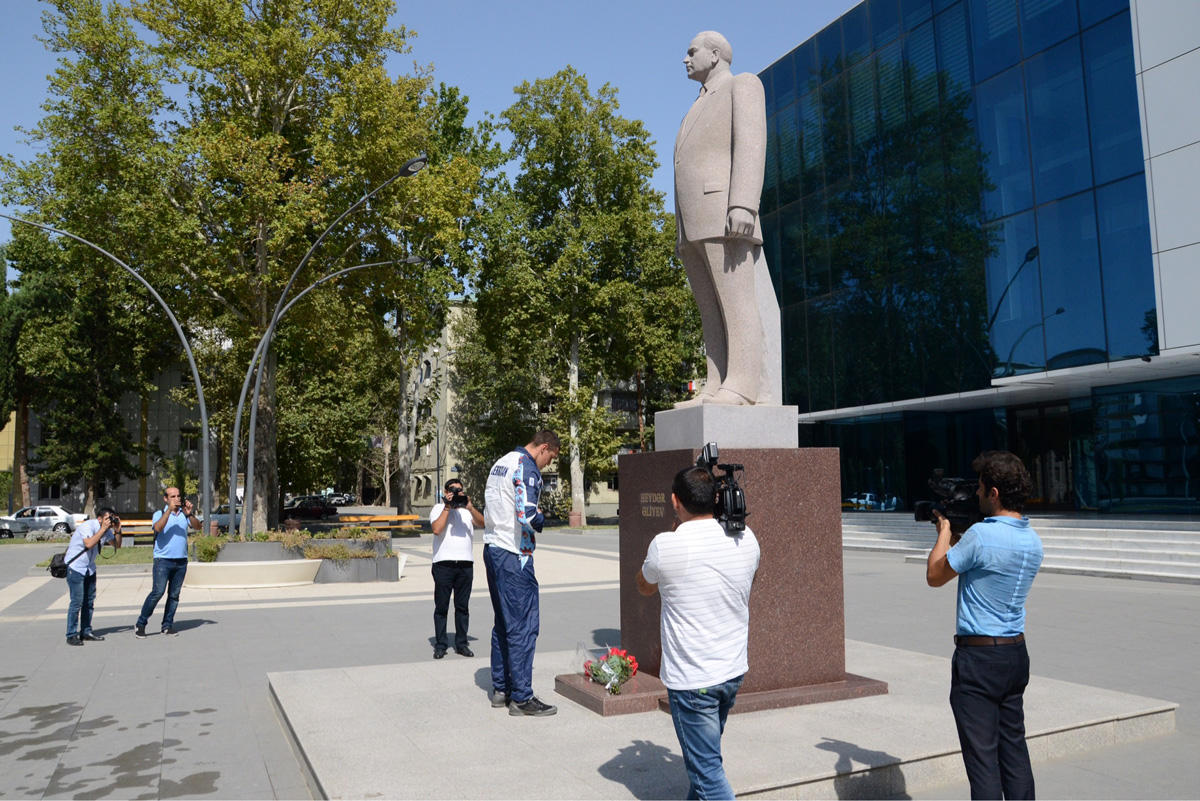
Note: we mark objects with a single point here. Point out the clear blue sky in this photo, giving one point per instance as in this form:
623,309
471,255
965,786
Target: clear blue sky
486,47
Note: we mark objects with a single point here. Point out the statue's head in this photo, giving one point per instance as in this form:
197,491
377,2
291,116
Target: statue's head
707,50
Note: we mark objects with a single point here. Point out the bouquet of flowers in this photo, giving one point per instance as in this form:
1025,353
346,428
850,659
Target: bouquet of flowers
612,670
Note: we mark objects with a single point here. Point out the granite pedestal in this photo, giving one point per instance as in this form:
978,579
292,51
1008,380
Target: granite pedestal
797,632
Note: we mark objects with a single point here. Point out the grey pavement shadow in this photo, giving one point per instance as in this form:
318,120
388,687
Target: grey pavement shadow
608,638
188,625
483,678
104,632
883,780
647,770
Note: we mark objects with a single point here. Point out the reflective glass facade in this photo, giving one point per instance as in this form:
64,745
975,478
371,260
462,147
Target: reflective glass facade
955,195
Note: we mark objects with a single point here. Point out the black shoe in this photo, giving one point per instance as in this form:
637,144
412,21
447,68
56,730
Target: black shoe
463,650
92,637
140,632
170,632
533,708
439,652
74,641
499,698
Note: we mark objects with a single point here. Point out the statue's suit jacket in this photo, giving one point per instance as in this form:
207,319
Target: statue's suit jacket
720,152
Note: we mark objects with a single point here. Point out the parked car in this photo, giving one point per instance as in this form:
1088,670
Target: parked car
342,498
865,500
37,518
221,517
308,507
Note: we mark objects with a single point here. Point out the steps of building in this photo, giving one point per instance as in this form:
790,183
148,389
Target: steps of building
1164,550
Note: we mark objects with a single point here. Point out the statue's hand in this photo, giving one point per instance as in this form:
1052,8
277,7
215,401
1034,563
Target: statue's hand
740,222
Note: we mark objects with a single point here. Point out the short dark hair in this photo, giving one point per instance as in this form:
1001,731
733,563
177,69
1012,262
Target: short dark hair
446,487
1004,471
105,510
546,437
694,488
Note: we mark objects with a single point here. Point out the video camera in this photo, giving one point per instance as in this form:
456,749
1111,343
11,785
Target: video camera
458,499
957,502
730,506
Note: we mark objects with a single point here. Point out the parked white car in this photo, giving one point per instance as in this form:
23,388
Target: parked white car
40,518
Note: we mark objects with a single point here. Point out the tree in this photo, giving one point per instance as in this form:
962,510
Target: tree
567,249
102,159
75,330
284,116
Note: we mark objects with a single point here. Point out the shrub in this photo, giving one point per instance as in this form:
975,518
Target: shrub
336,550
207,548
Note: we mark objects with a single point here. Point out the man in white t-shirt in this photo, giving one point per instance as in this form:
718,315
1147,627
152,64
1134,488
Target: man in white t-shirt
81,572
704,576
454,521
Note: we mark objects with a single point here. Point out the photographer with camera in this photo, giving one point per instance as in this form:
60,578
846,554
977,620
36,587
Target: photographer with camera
81,572
995,561
703,570
454,521
170,525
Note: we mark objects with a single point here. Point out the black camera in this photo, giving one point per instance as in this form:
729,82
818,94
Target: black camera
458,499
957,502
730,506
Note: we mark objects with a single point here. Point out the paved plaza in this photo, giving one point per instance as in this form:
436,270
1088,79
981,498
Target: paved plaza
193,716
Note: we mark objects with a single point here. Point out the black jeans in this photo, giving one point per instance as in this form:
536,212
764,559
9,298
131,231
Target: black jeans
451,576
987,689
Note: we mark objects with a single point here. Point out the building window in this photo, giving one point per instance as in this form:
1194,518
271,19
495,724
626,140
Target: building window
52,491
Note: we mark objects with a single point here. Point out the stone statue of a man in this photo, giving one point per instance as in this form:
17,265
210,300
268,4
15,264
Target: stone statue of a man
719,157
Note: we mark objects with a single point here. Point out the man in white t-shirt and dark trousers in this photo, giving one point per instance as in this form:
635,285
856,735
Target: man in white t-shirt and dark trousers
454,521
704,576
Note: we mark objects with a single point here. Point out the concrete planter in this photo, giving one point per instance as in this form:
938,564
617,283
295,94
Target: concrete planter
387,568
266,573
335,571
255,552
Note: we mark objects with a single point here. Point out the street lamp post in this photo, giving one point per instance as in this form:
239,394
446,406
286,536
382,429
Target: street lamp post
410,168
206,483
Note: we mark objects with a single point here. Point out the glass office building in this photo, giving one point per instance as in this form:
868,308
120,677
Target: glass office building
958,221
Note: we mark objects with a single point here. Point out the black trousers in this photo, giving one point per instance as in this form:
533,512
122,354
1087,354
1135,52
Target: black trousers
451,577
987,694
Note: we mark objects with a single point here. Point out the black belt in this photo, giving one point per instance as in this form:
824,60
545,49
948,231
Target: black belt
975,639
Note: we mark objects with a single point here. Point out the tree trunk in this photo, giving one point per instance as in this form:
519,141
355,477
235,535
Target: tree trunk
143,452
266,475
576,463
387,469
640,409
21,451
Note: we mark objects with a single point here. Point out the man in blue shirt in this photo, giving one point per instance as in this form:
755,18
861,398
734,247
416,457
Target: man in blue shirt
170,524
81,572
995,562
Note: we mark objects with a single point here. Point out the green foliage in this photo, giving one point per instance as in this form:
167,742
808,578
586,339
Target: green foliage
6,485
207,548
572,250
556,503
207,142
337,550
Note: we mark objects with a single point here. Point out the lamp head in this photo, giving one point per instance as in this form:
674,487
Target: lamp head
413,166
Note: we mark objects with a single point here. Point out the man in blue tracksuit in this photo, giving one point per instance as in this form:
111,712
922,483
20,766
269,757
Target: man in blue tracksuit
512,521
